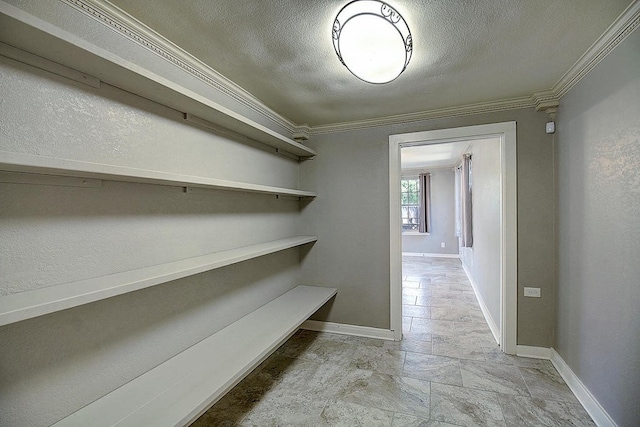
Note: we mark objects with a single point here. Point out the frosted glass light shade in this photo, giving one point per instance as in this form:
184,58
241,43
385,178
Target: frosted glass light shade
372,40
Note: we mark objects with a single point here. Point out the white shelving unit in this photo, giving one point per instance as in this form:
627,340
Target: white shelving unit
28,163
38,302
179,390
29,39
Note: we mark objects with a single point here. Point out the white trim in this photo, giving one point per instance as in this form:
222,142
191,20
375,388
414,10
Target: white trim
590,403
582,393
533,352
395,241
430,255
129,27
508,222
509,243
622,27
354,330
465,110
495,329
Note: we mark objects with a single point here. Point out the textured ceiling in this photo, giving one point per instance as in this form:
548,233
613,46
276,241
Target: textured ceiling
465,51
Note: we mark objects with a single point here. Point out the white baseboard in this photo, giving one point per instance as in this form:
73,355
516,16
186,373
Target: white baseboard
533,352
340,328
582,393
495,330
592,406
430,255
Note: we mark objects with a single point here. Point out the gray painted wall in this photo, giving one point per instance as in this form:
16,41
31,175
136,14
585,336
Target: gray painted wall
52,365
482,261
443,221
598,323
353,250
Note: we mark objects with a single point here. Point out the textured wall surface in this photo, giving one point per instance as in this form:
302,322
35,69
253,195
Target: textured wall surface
482,260
88,29
52,365
599,232
352,252
443,220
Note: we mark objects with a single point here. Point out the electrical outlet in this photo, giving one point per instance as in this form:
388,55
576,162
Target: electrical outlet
532,292
442,245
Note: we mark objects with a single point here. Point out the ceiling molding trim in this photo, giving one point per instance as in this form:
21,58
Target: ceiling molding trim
545,99
134,30
467,110
624,26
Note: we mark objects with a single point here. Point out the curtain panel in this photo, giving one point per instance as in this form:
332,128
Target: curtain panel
466,237
424,184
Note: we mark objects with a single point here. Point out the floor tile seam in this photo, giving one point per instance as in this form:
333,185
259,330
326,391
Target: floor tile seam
502,408
395,378
437,355
417,377
504,364
504,418
502,405
551,399
460,358
576,400
525,381
493,393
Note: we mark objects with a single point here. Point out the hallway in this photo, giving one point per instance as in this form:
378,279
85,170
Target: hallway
448,371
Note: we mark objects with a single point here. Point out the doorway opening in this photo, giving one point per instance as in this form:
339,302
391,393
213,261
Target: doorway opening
504,136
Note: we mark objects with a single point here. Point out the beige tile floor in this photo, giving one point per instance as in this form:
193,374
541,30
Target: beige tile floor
447,371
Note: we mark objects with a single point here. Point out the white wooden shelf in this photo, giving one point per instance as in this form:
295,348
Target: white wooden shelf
28,163
38,302
34,36
179,390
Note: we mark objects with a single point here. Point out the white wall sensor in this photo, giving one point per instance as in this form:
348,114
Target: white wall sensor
551,127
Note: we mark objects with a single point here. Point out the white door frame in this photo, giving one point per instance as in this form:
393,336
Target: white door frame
506,132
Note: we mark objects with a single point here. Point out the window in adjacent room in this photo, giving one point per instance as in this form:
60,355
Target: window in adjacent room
415,202
410,192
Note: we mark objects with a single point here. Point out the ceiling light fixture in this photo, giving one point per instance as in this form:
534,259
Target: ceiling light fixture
372,40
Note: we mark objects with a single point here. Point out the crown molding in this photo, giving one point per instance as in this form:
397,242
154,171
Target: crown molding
547,100
624,26
134,30
466,110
